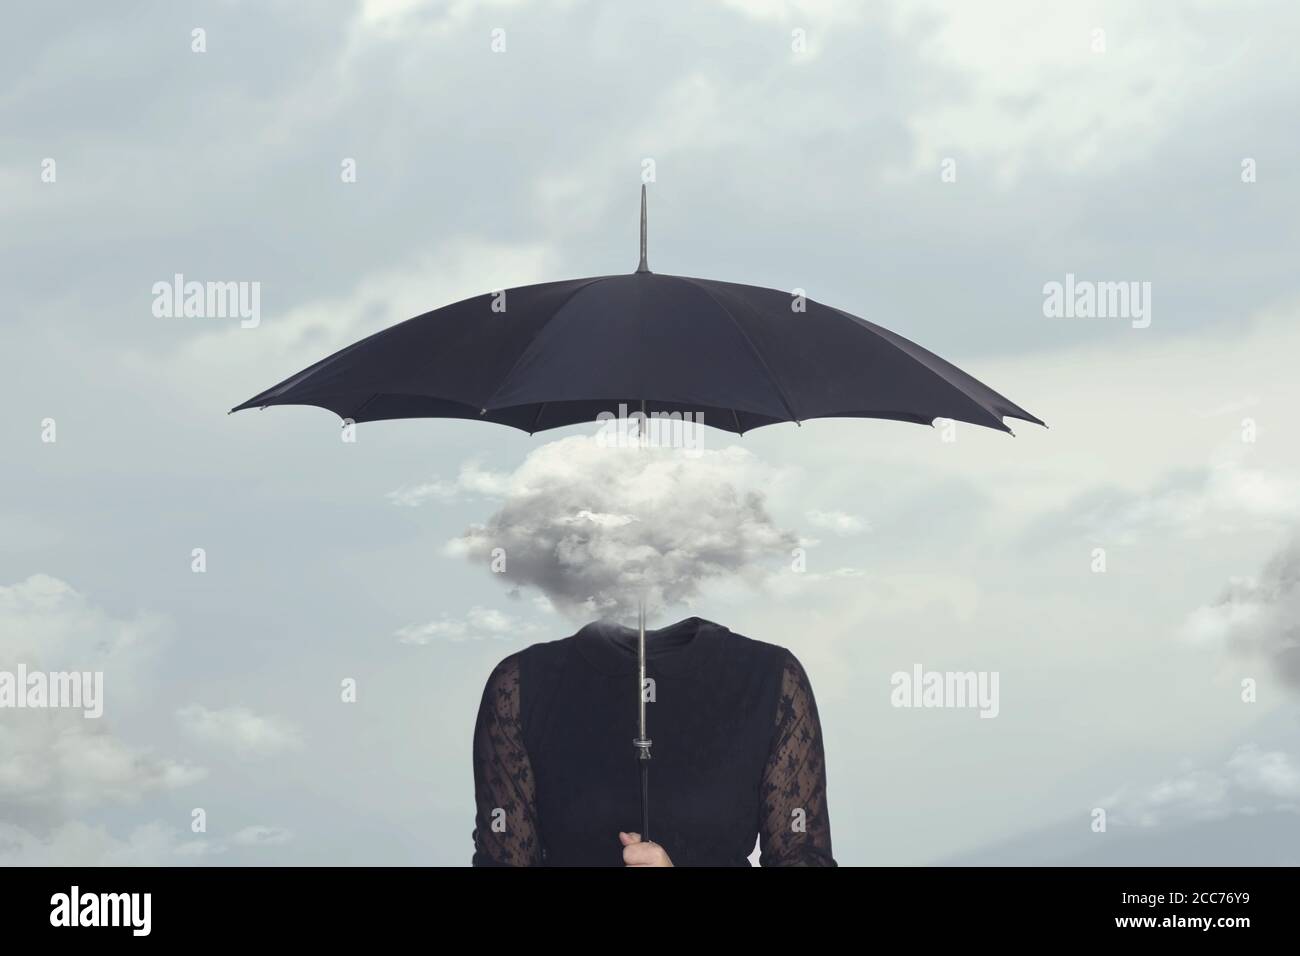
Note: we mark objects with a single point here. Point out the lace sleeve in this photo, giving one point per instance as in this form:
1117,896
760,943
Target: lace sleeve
505,822
795,827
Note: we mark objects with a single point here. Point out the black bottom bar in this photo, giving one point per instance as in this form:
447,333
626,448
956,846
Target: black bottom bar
335,904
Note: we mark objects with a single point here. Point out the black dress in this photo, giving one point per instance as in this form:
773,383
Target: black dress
737,752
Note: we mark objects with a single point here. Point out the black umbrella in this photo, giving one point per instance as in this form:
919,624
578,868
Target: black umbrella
735,357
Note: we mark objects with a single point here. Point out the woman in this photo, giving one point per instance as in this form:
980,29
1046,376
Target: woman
737,753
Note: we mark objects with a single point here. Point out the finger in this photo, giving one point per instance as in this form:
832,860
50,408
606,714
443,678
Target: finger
643,854
627,839
636,853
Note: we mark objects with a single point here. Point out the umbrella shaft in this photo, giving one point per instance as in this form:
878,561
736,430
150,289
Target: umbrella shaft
642,742
640,671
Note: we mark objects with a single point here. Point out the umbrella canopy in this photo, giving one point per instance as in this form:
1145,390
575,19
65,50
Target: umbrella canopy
735,357
559,353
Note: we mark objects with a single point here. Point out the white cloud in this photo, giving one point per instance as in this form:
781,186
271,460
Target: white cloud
262,836
412,496
81,844
239,729
593,526
394,19
1234,613
839,522
1223,498
1250,781
451,271
156,843
1018,83
1257,617
1198,795
818,12
472,481
480,623
60,757
46,623
1272,773
56,762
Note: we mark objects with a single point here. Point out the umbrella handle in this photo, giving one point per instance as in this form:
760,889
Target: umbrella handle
645,797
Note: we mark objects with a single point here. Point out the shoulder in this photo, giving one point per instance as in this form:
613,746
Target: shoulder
543,658
772,657
777,675
779,665
522,675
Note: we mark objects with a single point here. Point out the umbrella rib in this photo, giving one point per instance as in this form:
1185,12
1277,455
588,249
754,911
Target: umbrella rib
537,418
991,412
362,406
771,376
533,338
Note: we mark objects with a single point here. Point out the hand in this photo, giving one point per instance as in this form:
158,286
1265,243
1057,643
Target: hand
636,853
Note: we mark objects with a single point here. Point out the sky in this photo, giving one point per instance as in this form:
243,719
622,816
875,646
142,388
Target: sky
1129,573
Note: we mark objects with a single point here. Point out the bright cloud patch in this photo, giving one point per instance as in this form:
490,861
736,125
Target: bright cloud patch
1258,617
239,729
592,527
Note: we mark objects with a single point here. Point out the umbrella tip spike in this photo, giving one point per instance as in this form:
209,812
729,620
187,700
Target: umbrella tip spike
643,266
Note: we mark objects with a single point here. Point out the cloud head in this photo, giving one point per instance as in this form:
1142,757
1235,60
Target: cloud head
594,527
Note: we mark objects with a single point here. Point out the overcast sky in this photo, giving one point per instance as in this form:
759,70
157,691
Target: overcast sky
928,166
